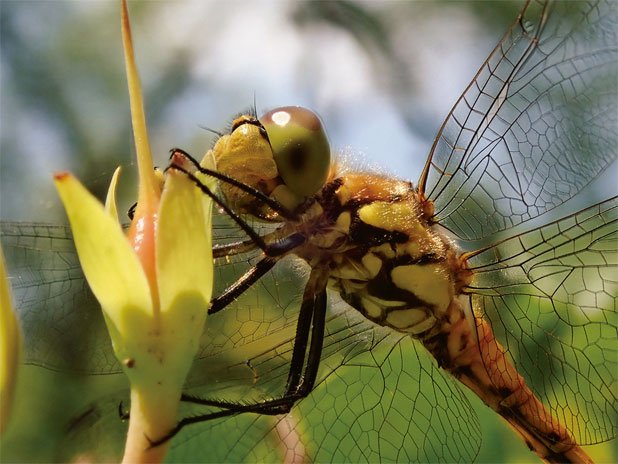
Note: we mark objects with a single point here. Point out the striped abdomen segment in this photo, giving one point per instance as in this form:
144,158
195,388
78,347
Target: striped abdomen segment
478,360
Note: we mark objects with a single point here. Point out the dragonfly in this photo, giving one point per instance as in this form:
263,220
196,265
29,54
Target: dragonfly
461,267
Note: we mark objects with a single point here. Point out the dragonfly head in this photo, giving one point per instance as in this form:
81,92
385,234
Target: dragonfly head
284,154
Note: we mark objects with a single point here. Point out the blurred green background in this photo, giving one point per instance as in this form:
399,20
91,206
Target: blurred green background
382,75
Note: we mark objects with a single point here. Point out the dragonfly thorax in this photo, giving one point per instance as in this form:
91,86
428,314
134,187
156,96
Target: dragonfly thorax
383,254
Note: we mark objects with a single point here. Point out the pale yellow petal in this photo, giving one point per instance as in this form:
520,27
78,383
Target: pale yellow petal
10,347
110,200
110,265
184,243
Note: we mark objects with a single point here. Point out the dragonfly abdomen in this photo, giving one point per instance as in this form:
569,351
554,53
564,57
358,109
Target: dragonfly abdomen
466,347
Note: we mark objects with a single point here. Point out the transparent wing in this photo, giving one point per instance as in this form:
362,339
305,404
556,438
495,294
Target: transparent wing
390,404
409,409
551,295
62,323
379,397
537,123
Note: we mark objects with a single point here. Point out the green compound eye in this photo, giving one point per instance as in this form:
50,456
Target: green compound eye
300,148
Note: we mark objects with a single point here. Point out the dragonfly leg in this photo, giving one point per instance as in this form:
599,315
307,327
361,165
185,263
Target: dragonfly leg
275,248
242,284
311,321
256,272
235,248
315,298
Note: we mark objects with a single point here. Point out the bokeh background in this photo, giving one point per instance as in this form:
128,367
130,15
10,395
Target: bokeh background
382,75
